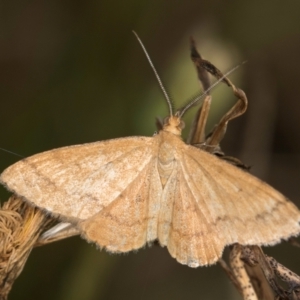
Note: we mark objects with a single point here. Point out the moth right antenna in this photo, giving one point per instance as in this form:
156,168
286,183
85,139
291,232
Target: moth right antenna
183,110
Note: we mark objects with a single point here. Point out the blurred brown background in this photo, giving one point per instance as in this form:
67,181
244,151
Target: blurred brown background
72,72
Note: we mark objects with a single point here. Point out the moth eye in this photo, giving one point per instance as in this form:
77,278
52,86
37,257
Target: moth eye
182,124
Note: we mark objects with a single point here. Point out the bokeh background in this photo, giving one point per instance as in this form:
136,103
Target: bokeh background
72,72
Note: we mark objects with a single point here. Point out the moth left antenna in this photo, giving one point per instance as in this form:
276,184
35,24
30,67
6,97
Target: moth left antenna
11,152
156,75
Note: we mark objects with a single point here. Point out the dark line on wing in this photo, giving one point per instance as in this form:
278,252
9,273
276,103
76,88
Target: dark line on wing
259,215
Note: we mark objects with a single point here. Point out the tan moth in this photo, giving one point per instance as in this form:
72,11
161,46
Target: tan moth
127,192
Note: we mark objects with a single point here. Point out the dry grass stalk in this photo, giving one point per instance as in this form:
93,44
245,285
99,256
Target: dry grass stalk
20,227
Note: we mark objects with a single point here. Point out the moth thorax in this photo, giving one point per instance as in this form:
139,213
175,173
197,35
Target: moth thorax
173,124
166,162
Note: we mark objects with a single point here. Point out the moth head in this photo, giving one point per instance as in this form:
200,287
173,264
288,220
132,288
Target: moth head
173,124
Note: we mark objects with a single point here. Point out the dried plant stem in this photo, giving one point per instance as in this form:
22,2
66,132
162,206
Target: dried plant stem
20,227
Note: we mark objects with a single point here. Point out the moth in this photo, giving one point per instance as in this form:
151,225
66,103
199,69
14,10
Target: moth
124,193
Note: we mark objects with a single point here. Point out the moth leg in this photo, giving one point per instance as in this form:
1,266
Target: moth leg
58,232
